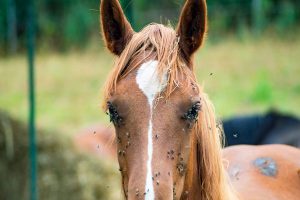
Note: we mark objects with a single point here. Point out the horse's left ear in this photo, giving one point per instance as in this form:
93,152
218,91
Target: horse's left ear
116,29
192,26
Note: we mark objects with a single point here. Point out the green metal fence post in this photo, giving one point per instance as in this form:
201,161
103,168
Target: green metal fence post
257,17
32,132
12,37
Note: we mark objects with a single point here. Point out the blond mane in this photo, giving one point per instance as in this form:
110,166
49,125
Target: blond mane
206,176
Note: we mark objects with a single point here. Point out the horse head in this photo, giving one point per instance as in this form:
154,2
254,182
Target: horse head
167,137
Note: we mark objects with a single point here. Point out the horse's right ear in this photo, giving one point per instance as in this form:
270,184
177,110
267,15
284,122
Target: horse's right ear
116,30
192,26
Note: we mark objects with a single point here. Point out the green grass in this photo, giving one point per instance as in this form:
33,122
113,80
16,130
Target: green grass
247,76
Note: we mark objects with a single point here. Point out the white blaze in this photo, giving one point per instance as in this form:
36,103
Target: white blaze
148,81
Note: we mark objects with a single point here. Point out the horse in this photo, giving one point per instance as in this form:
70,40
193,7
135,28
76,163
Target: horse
270,128
169,142
96,139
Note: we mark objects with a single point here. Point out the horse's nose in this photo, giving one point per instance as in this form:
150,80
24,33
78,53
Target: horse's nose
162,190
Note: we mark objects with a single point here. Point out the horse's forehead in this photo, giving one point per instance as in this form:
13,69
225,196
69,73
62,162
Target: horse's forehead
148,80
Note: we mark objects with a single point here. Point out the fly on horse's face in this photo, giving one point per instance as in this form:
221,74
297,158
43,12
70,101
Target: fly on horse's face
152,99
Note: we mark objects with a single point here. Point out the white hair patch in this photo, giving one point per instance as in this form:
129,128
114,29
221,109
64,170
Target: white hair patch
151,85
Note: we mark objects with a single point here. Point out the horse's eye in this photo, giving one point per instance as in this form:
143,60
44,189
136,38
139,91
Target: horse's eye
192,113
114,116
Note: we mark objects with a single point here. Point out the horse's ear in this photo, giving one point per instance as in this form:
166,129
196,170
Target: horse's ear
192,26
116,29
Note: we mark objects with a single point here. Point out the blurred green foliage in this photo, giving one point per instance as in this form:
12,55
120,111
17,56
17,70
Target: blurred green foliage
64,23
286,17
263,90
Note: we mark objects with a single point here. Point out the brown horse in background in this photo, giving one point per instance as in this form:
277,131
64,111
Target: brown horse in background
168,141
97,139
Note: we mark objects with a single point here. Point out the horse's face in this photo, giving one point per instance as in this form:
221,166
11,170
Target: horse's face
153,134
152,131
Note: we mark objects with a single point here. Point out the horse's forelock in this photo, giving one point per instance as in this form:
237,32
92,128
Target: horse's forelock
157,42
